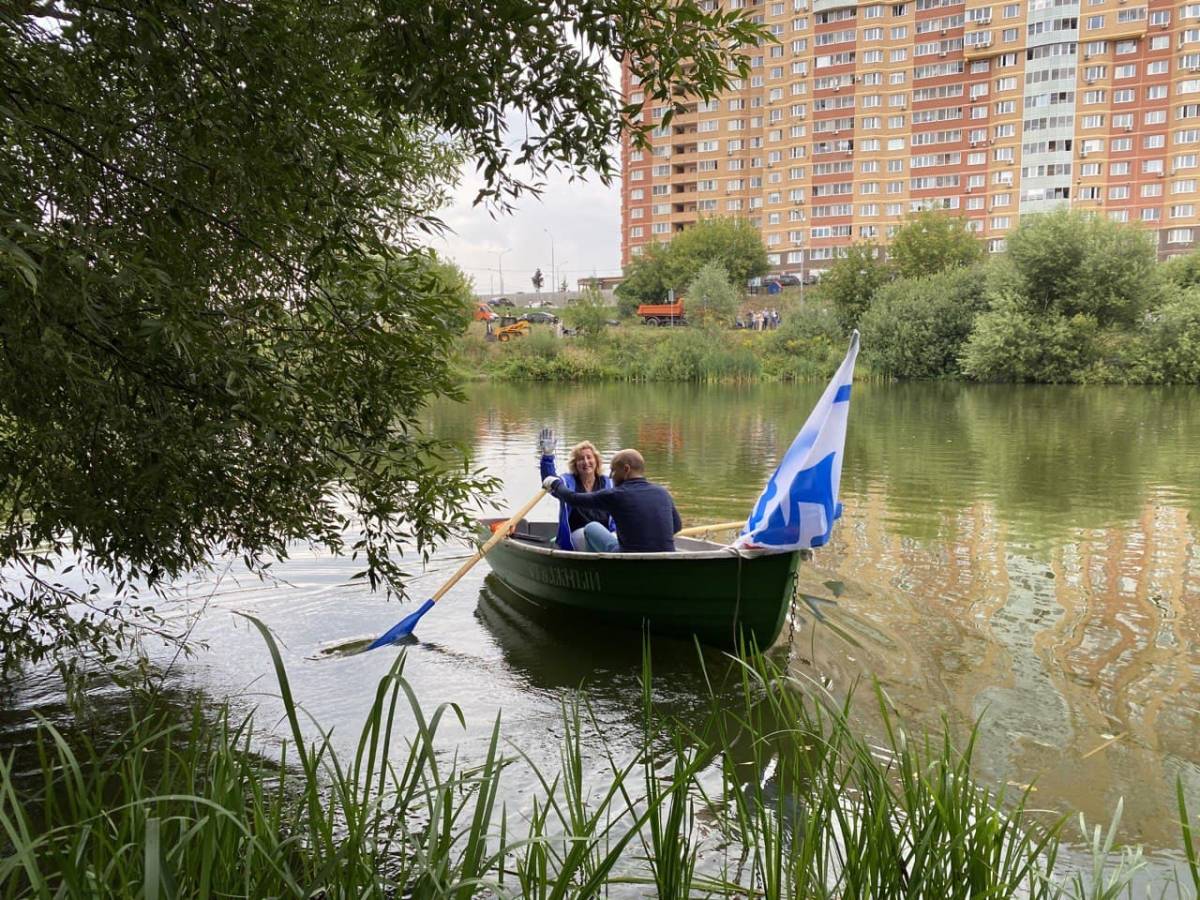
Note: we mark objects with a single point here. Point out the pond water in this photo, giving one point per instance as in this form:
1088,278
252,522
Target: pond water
1024,557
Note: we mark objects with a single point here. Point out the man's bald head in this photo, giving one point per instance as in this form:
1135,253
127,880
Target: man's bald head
626,464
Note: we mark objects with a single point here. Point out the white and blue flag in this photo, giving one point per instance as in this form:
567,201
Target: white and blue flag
798,506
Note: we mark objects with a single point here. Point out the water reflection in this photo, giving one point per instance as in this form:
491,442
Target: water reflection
1025,556
552,652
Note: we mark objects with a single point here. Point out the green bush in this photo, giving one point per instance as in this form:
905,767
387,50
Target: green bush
1167,347
568,364
916,328
1182,271
853,281
808,345
541,342
1071,263
933,241
589,315
711,299
1010,343
688,354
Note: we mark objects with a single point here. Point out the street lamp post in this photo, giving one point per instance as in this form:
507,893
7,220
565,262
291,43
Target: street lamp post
553,269
500,265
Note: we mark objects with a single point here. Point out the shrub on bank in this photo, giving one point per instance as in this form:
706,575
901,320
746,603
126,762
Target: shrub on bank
1167,349
916,327
808,346
1075,299
694,354
1011,344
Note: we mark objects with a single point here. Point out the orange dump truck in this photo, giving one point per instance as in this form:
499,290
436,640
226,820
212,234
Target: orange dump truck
662,313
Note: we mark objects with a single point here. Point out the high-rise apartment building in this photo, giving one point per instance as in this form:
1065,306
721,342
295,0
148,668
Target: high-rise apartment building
863,112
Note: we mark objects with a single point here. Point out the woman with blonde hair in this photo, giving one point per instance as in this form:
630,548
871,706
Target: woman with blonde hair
583,476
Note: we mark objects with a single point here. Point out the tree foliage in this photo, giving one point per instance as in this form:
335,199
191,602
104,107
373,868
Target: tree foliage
916,327
735,244
645,279
711,299
932,241
1068,293
851,283
1168,341
1072,263
1182,271
1012,342
589,314
217,322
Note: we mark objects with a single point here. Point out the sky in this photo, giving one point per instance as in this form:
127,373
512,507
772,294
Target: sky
583,218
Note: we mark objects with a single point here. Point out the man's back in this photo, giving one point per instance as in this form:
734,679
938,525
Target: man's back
645,513
646,517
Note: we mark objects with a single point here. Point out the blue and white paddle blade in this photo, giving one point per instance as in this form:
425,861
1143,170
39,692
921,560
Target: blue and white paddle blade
401,629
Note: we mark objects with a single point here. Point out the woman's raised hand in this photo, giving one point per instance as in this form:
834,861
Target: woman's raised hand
546,442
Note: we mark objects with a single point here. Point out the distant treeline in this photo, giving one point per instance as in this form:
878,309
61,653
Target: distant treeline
805,347
1074,298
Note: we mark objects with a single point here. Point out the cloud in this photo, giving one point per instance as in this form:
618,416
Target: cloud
583,216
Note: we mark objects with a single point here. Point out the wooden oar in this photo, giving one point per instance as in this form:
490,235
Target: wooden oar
404,627
704,529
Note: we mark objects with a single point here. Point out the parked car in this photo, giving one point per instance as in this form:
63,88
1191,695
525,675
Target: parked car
788,280
545,304
501,301
540,318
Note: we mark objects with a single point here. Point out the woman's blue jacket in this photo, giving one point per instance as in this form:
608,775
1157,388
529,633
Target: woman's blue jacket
563,537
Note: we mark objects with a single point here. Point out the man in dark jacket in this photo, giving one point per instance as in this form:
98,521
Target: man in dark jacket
645,513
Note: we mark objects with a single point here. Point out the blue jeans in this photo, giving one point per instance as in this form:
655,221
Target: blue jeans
599,539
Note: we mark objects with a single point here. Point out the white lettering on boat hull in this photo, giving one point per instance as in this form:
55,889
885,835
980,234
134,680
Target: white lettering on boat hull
575,579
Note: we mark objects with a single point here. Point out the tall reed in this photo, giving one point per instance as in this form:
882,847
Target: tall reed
772,796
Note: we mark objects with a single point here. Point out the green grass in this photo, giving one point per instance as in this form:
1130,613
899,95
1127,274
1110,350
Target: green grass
804,350
774,797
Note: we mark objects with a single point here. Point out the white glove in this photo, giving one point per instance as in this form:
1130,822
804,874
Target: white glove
546,442
549,482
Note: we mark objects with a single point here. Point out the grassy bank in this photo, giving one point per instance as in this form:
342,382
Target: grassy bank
773,798
805,347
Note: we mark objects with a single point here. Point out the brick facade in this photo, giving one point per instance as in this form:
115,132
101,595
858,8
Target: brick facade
865,112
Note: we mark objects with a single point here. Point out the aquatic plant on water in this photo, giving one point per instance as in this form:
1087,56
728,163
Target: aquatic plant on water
774,797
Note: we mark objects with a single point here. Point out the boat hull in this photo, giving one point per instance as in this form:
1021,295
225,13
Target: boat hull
704,590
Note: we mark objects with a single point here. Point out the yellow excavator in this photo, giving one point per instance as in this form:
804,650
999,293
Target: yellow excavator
505,328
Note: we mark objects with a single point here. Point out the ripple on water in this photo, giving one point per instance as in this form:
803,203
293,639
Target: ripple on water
1024,557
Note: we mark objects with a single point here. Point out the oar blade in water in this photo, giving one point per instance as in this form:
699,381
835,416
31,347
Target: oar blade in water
403,628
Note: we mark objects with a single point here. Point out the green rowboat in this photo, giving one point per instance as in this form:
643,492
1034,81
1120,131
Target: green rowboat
703,589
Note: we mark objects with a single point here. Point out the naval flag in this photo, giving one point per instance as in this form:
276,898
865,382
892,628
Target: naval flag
798,506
